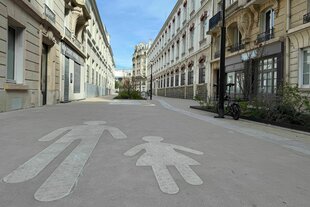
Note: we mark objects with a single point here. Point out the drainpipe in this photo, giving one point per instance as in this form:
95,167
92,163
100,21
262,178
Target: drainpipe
287,43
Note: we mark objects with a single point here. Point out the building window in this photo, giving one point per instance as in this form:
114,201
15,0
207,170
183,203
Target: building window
167,80
304,80
87,78
177,76
164,78
204,27
183,45
183,78
177,49
11,54
267,75
190,77
236,78
202,73
191,38
267,26
179,20
172,80
237,40
173,27
184,13
77,78
193,5
15,55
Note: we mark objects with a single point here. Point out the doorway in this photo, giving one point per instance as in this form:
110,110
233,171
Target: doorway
44,58
67,81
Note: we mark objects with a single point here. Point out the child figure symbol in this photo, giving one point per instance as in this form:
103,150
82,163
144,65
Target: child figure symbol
61,182
160,155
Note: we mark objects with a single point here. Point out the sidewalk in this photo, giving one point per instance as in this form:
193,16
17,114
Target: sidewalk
286,137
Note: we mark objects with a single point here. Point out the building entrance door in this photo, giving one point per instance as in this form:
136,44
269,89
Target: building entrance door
67,81
44,73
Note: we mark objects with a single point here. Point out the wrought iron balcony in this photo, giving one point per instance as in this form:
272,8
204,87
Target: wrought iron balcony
307,18
213,22
265,36
236,47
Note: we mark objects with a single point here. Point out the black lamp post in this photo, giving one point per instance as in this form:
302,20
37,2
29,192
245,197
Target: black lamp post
222,65
151,82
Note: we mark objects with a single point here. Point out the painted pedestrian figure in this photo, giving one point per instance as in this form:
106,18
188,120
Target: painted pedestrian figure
61,182
160,155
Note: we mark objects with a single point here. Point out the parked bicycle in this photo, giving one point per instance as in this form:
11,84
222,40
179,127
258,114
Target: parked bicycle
232,107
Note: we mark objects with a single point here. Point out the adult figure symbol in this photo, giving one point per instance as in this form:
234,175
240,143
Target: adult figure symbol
159,155
61,182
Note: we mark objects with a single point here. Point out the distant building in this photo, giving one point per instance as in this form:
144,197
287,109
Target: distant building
181,52
139,63
52,51
267,45
120,74
99,74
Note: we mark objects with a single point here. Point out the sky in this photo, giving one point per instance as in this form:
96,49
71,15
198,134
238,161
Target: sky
130,22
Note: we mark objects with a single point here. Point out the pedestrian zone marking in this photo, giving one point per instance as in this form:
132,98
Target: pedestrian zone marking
61,182
160,155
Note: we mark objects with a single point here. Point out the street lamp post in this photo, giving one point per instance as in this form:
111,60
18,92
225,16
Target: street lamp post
151,82
222,65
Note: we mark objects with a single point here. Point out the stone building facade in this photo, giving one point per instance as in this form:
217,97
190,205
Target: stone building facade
100,65
73,52
298,41
255,41
43,52
181,52
29,53
139,65
266,46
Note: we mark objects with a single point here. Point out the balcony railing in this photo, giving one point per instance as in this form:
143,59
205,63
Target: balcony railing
307,18
236,47
49,14
265,36
215,20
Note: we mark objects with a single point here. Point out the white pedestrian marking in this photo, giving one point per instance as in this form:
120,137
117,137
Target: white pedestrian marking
62,180
160,155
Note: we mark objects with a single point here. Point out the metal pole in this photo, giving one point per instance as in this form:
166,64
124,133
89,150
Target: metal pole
222,65
151,82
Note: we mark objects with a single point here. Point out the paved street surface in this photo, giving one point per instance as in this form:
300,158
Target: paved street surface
160,153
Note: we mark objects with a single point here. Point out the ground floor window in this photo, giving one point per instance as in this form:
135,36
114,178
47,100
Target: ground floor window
172,79
237,78
267,75
190,77
177,79
202,74
183,78
305,68
167,81
77,78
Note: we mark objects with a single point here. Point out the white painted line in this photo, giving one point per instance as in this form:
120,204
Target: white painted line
65,176
159,155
